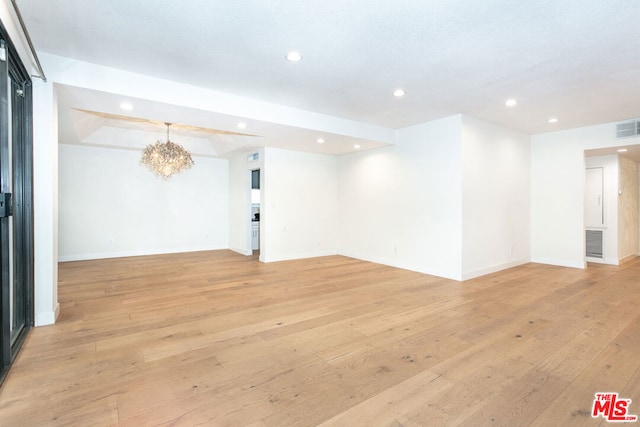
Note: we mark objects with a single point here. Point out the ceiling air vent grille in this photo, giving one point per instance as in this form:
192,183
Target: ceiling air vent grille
624,130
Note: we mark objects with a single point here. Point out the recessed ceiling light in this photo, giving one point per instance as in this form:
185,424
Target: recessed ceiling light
294,56
320,140
622,150
398,93
511,102
126,106
553,120
356,146
241,125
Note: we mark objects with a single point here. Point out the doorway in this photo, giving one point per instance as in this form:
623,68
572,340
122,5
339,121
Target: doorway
255,211
611,205
16,204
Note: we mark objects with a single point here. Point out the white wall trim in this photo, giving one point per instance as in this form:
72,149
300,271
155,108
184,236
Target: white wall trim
292,257
493,269
47,317
560,263
124,254
241,251
608,261
399,264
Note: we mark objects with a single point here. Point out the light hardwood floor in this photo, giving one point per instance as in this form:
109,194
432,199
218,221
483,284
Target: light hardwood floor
216,338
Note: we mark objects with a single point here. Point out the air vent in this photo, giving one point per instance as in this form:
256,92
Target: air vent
594,243
625,130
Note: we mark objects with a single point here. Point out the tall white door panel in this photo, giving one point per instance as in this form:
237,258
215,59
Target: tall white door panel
593,198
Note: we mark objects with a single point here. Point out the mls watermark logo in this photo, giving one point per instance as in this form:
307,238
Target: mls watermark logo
612,408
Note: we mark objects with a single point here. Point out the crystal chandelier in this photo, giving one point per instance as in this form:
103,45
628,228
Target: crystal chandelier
166,158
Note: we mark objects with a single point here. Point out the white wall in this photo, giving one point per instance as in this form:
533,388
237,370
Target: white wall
45,203
557,191
401,205
609,165
298,214
110,205
299,210
628,218
496,194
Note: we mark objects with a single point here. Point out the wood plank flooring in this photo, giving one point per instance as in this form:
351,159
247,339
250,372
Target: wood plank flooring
219,339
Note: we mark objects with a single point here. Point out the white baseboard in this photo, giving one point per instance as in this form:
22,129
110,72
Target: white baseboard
608,261
47,318
124,254
493,269
241,251
290,257
403,265
560,263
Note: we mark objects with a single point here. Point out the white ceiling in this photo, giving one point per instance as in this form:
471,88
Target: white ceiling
632,152
92,117
577,60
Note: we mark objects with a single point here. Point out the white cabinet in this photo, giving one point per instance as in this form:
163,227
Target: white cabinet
255,235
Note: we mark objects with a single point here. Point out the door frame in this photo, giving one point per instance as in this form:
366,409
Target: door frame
16,129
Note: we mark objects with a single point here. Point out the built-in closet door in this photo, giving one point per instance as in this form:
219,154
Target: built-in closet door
593,202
